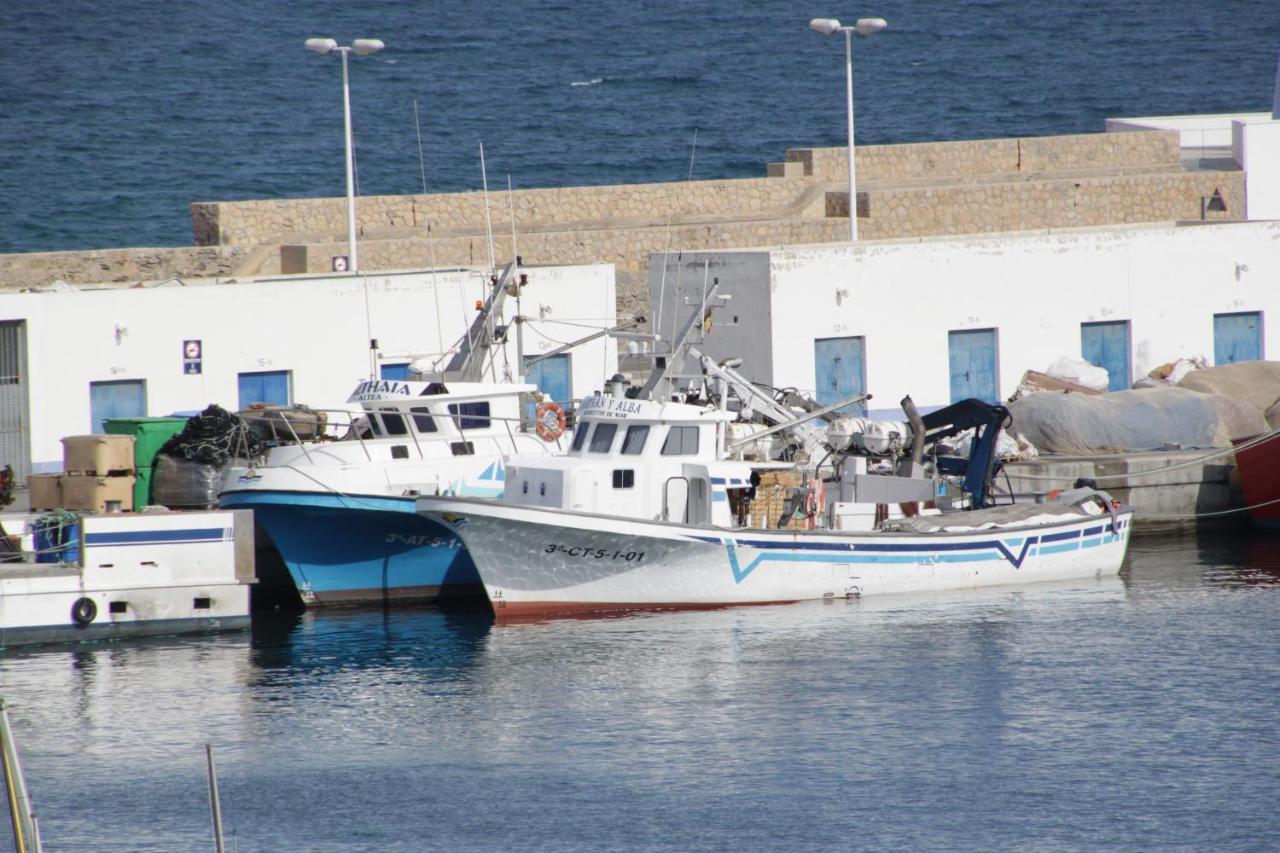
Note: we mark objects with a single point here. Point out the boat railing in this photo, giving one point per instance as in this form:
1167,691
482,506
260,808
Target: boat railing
343,425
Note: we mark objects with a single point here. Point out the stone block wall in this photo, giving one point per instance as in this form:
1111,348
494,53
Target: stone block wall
981,159
308,220
125,266
1005,206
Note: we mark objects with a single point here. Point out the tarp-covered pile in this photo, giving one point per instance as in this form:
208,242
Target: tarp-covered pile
1146,419
1254,382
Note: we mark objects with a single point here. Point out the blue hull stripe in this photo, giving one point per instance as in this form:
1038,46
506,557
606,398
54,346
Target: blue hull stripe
156,537
1015,550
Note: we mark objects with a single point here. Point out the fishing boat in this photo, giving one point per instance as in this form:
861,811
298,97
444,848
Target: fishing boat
336,497
72,576
1258,465
722,494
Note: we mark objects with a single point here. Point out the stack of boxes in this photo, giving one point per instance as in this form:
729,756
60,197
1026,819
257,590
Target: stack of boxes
149,435
98,476
770,502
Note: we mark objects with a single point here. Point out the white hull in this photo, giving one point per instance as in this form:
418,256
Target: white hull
535,562
140,573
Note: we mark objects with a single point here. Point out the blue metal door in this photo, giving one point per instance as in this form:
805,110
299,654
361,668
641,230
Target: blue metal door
124,399
972,358
270,387
398,372
1106,345
1237,337
840,371
552,377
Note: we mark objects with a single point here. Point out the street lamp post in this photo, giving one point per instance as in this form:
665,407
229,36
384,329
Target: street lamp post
863,27
361,47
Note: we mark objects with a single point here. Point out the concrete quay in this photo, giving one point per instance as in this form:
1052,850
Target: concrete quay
1170,490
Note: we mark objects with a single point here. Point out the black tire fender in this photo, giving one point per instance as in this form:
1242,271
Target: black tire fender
84,611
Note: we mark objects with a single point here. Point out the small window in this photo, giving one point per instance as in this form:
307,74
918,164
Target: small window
422,420
633,444
580,436
624,478
681,441
524,487
393,422
602,438
462,448
375,426
201,603
470,415
399,451
118,607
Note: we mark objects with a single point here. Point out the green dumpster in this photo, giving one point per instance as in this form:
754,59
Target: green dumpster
149,435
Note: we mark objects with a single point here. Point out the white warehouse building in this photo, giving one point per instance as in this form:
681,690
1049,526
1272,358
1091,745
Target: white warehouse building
71,357
944,319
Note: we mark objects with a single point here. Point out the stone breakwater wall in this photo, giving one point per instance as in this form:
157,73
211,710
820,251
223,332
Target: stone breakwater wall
312,219
915,190
980,159
627,249
1006,206
121,266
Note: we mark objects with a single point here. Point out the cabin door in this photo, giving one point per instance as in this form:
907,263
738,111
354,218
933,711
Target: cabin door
840,371
972,357
583,495
675,499
15,449
1237,337
125,399
1106,345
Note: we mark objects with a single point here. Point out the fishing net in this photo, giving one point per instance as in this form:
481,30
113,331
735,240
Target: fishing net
213,437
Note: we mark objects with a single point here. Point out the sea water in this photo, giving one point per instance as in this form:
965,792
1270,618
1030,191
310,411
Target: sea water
1137,712
115,117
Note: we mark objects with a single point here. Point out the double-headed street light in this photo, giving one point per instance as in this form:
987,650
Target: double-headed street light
864,27
361,47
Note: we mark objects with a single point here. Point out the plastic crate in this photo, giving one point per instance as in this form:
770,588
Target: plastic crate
44,491
97,494
149,434
97,454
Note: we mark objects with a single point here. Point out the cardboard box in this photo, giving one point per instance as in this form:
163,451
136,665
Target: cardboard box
97,494
97,454
44,491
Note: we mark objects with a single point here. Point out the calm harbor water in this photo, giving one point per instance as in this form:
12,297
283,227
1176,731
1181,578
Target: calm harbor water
114,117
1132,713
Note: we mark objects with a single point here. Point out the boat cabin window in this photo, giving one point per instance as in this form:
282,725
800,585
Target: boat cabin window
602,438
393,422
633,444
470,415
580,436
375,426
624,478
681,441
422,419
462,448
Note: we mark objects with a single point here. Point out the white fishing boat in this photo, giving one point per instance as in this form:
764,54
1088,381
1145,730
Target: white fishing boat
675,504
80,576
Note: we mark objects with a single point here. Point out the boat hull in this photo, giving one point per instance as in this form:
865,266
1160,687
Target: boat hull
1259,469
352,550
536,562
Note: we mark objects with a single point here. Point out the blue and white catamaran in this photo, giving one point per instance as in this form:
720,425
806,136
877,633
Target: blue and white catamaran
339,506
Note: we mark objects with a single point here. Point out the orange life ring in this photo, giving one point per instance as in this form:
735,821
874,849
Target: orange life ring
548,421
